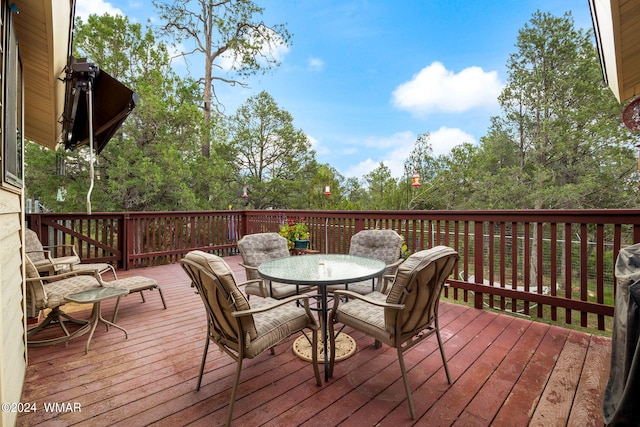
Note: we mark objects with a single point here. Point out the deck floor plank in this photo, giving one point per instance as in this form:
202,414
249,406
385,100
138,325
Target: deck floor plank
489,399
558,396
505,371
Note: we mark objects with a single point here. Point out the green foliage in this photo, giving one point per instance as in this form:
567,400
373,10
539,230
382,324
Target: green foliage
559,138
293,231
270,153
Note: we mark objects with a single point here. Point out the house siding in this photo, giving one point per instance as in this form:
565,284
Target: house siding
13,352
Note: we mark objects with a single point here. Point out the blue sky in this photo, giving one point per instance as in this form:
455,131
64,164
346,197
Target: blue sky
364,78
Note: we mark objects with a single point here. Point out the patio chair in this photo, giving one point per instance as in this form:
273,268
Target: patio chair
261,247
404,317
49,293
240,329
42,258
45,262
385,245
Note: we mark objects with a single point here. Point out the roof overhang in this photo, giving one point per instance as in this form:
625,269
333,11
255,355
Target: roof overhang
44,28
617,29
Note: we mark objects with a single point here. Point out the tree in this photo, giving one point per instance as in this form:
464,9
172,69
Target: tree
270,153
318,176
355,195
382,188
225,31
422,162
560,121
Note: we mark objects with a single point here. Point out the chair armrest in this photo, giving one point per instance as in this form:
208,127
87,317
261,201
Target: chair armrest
396,263
248,282
73,248
351,294
66,275
271,307
248,267
46,253
63,245
385,281
262,284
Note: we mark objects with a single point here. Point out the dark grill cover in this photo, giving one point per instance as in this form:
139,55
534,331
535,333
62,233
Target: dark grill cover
621,400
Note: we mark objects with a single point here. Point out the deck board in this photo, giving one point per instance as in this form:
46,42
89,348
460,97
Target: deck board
505,371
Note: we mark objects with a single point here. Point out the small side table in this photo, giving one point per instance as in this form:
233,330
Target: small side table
295,251
96,296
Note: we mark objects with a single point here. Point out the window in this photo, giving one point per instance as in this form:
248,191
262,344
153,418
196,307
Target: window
11,108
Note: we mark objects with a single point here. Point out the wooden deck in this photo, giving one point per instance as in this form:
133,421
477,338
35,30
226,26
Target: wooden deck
506,371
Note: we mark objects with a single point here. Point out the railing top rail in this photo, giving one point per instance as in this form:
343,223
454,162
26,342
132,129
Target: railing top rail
520,213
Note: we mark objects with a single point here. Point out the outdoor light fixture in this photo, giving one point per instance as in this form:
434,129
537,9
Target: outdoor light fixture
327,190
244,192
416,179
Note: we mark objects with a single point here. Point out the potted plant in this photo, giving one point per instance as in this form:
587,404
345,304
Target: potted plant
296,233
404,251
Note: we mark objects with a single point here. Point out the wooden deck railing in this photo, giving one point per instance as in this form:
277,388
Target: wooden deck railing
556,265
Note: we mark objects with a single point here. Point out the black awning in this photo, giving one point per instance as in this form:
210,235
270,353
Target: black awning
112,104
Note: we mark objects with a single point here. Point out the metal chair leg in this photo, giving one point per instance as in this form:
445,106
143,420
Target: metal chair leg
234,391
407,389
444,358
164,304
204,359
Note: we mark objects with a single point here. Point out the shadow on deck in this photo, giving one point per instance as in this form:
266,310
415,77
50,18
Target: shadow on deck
505,371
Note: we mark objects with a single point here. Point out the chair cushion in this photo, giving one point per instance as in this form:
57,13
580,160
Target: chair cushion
64,262
133,284
365,317
384,245
274,325
58,290
33,246
235,302
364,287
258,248
418,284
278,290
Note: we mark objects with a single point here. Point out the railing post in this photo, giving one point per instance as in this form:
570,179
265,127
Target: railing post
478,260
125,240
244,223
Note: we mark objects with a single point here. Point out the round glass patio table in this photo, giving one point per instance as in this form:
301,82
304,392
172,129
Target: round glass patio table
322,270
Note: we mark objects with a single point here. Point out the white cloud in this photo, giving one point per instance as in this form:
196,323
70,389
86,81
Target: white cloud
361,169
315,64
84,8
399,139
315,145
444,139
436,89
395,149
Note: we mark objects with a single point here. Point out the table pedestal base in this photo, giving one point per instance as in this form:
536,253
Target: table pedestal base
96,317
345,347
